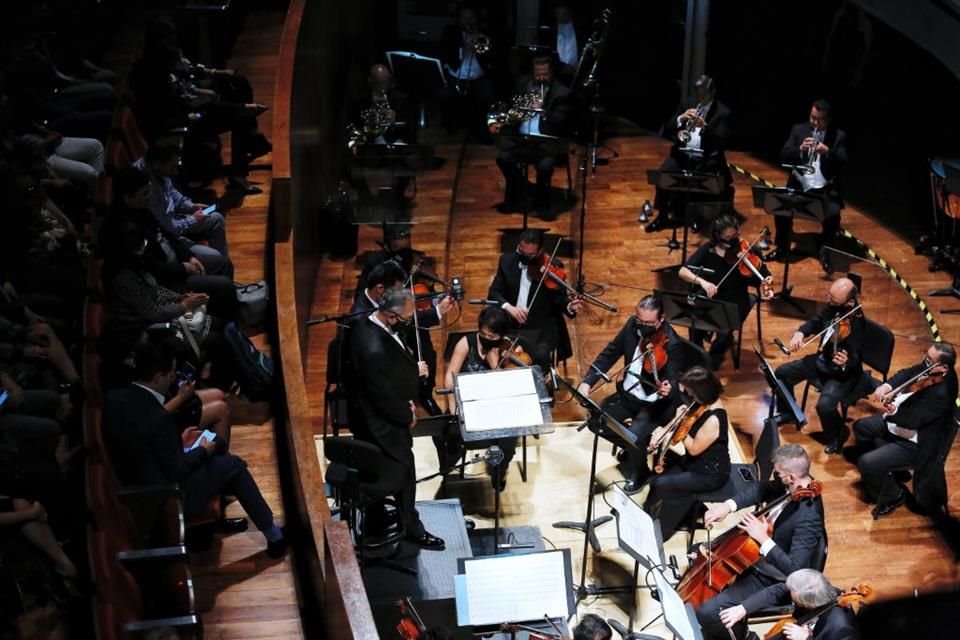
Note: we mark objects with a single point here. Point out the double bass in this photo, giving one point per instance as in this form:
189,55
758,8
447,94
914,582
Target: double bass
730,554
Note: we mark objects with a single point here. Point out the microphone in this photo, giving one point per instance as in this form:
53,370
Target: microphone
493,455
783,347
481,301
603,375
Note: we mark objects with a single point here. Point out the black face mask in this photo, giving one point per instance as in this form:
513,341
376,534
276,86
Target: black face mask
525,259
645,330
488,343
399,325
734,241
405,255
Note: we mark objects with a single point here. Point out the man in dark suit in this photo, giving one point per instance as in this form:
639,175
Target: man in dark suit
809,591
836,369
912,432
552,116
819,151
639,400
706,124
798,528
387,382
516,291
147,447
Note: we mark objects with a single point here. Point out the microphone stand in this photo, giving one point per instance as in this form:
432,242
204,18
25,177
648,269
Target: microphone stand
341,325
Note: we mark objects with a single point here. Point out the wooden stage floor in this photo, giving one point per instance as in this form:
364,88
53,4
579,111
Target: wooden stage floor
458,225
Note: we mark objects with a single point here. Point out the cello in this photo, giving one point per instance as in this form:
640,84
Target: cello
730,554
852,599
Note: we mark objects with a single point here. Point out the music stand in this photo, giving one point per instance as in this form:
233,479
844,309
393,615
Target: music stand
540,143
600,419
683,183
421,75
796,205
504,403
784,407
696,311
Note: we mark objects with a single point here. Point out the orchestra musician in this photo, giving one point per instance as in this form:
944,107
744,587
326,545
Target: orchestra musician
515,288
703,463
484,351
819,150
644,397
788,537
836,367
381,94
706,124
568,40
397,245
911,432
550,113
467,64
808,590
711,268
387,383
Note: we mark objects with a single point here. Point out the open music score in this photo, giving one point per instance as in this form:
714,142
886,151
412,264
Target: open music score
514,588
492,400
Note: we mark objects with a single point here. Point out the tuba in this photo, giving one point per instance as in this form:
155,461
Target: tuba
685,134
374,122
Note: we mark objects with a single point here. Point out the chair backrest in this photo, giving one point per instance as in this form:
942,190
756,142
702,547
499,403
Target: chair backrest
362,456
693,355
768,442
880,353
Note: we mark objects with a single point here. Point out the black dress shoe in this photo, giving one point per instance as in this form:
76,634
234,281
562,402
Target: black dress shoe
889,507
429,541
825,264
243,187
777,255
232,525
278,548
835,446
632,486
657,224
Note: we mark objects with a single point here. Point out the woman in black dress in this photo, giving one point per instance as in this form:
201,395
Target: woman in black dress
700,462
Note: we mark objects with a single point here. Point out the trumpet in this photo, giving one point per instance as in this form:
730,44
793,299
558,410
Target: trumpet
807,168
685,134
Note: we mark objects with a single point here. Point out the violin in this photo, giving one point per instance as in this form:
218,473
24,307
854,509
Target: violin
748,264
544,265
675,432
731,553
512,355
655,356
842,325
922,380
852,599
411,625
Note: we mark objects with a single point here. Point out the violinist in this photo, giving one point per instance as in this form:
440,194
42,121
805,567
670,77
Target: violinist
911,432
517,290
788,536
397,245
647,393
809,591
703,463
836,366
484,351
717,270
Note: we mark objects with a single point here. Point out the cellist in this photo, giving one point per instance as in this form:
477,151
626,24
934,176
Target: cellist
788,537
810,593
646,395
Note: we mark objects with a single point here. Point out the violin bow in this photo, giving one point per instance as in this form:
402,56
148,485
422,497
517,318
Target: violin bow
416,322
543,276
743,255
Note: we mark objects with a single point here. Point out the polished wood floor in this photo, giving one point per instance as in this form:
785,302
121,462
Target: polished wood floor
899,554
241,593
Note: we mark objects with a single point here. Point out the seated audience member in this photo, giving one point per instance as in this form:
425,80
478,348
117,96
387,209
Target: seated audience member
146,447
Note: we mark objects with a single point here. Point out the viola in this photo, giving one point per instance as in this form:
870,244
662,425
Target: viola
512,355
411,625
731,554
656,347
851,599
749,265
675,432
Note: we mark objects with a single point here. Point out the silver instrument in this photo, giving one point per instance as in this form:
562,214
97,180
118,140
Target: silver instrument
685,134
521,108
374,121
808,168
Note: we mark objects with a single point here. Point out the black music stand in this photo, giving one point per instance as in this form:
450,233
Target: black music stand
796,205
600,419
783,407
545,144
696,311
398,161
422,76
684,183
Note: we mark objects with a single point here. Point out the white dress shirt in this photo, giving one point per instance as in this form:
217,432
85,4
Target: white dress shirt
632,380
567,43
901,432
375,320
469,68
813,180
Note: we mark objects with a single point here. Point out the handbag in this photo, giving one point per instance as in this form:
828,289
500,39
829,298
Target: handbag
194,327
253,303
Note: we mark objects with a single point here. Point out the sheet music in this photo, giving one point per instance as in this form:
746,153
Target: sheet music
497,384
502,413
636,529
675,612
513,589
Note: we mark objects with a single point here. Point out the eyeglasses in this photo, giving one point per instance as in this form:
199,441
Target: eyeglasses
644,323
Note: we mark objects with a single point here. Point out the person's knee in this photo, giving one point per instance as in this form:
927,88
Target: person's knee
827,404
214,221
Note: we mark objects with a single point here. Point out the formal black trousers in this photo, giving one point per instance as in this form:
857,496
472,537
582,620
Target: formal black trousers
747,584
674,492
832,390
645,417
881,451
